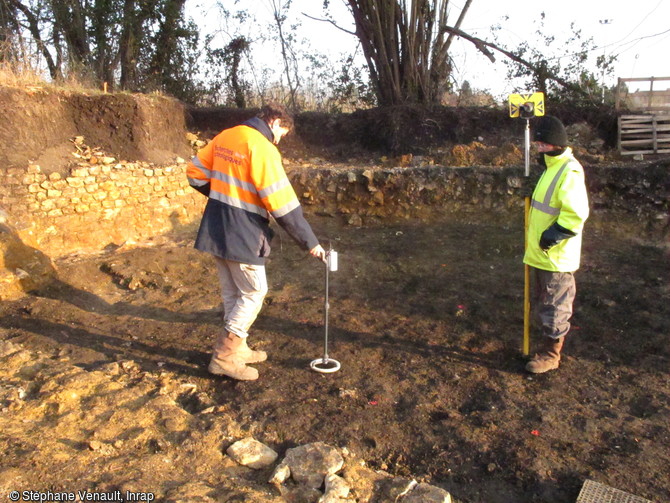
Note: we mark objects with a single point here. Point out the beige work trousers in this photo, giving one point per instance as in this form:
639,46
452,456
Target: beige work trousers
243,288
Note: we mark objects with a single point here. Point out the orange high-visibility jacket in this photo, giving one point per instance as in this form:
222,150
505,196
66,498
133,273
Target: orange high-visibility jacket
241,172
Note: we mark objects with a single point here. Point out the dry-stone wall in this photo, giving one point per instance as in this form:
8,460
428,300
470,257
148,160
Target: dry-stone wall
92,206
633,199
95,205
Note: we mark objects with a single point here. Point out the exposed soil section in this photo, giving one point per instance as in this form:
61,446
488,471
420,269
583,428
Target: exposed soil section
41,122
426,320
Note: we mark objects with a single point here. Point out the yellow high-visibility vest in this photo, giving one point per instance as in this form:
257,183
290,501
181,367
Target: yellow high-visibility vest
560,196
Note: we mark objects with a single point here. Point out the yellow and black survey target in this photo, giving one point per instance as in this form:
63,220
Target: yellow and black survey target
526,105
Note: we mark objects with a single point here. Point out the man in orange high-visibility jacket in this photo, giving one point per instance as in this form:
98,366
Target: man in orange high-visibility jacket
559,208
241,173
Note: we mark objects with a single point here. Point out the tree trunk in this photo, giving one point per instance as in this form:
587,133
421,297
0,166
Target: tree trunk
105,31
285,49
129,45
70,20
167,39
405,48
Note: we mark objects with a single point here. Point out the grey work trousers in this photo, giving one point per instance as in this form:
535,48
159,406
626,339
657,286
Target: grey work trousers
243,288
553,295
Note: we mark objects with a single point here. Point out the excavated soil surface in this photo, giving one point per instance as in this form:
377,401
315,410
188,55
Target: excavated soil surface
102,376
426,320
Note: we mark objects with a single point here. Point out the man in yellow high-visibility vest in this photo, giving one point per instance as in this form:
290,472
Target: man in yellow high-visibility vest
559,208
241,173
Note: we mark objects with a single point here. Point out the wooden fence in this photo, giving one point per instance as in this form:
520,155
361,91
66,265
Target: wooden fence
644,134
644,117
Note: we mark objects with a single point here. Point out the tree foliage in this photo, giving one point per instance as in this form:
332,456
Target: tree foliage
147,45
138,45
568,77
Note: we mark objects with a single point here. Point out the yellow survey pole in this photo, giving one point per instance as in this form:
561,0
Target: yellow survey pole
526,269
526,106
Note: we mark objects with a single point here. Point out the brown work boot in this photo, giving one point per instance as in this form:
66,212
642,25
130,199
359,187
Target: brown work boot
549,358
227,359
251,356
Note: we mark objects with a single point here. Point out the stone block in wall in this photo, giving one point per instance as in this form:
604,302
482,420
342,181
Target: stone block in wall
47,205
79,172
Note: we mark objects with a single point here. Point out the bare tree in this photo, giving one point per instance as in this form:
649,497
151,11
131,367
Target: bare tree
406,46
9,11
279,10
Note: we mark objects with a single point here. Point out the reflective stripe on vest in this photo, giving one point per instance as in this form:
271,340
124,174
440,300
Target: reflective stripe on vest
544,206
238,203
206,173
273,189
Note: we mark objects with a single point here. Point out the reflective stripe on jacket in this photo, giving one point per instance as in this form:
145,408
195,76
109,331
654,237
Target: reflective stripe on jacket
241,172
560,196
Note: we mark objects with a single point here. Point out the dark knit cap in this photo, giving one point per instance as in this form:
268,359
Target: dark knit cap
550,129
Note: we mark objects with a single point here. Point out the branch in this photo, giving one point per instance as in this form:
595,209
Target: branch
464,10
34,30
331,22
482,45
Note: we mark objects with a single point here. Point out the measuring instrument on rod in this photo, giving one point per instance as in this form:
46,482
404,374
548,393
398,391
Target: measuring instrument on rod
526,106
325,364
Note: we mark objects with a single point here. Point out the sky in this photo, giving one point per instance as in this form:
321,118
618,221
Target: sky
637,32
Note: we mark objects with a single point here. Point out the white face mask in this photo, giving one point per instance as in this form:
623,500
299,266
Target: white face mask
278,131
